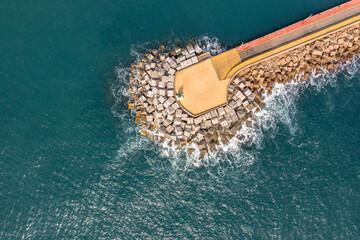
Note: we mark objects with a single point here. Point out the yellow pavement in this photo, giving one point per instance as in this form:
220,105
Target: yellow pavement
200,88
204,85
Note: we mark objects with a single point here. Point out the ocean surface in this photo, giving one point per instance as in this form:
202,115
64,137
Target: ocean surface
74,166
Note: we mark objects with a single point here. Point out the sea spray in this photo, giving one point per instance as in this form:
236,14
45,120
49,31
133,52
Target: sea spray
241,150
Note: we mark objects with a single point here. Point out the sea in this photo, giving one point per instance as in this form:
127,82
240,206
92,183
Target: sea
73,164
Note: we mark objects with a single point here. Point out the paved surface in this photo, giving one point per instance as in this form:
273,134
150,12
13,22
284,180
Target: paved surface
297,30
200,88
204,85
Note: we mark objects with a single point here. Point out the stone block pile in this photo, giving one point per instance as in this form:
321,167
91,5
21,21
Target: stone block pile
152,89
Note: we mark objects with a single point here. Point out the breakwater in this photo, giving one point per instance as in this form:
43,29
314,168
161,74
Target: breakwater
164,118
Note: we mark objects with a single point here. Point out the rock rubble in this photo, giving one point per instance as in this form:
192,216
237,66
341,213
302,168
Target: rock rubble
152,89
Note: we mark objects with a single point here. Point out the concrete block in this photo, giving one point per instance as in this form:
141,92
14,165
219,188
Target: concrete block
195,127
162,92
234,128
184,52
171,78
171,62
178,113
262,105
208,123
194,59
177,50
251,97
161,71
214,113
166,122
177,121
153,83
157,114
149,94
164,78
231,88
150,101
169,129
150,109
166,104
131,106
150,57
170,117
239,103
317,52
178,67
170,110
232,104
245,103
223,122
166,66
161,84
160,107
170,93
191,50
171,71
221,111
155,90
178,130
208,137
242,85
198,49
198,120
142,98
200,135
149,117
208,115
247,91
170,85
186,63
176,105
171,100
240,95
187,132
162,99
214,121
241,113
180,59
184,117
227,109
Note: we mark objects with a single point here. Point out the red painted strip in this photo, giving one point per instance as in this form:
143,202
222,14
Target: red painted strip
297,25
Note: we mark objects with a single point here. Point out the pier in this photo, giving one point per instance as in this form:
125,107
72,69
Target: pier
187,97
221,68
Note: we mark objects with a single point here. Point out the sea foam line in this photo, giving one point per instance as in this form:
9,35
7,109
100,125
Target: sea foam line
280,108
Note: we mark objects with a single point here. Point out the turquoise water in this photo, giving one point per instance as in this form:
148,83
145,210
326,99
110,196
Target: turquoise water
72,163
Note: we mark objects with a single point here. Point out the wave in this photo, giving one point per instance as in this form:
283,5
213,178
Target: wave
241,151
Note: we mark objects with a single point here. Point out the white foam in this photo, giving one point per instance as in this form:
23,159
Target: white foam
280,109
209,43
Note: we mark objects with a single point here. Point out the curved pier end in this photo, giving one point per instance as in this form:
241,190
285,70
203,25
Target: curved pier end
222,94
201,88
204,85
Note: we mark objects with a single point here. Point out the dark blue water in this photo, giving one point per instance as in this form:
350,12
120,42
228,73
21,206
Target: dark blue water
72,163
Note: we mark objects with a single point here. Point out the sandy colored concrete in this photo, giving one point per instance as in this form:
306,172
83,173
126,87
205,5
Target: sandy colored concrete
225,61
291,45
200,88
298,30
205,84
